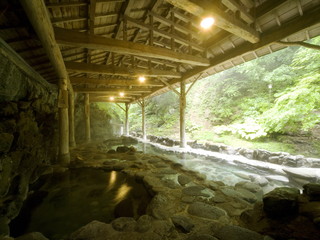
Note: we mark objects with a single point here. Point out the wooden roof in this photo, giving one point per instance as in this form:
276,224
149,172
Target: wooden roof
107,44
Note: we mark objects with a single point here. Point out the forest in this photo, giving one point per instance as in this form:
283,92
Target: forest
272,102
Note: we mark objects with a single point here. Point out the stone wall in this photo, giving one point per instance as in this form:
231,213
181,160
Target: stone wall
28,131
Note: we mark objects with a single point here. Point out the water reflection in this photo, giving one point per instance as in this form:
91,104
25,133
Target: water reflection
112,180
56,208
122,192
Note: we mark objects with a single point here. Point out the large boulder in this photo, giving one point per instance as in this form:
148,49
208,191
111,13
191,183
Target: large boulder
204,210
312,190
281,202
230,232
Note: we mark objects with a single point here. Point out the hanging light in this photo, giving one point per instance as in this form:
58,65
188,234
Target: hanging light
111,98
142,79
207,22
121,94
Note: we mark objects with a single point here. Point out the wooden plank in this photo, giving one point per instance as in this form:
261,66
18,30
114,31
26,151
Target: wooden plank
164,33
67,37
222,20
235,6
122,71
113,82
109,101
68,19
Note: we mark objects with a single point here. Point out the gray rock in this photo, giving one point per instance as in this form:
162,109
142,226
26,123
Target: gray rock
6,140
124,224
252,187
231,232
94,230
188,199
143,223
32,236
194,191
204,210
260,180
183,179
198,236
183,223
240,194
312,190
281,202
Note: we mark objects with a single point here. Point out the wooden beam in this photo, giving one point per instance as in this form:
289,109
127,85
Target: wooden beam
302,44
111,90
235,6
222,20
122,71
73,4
109,101
68,37
165,34
113,81
300,23
69,19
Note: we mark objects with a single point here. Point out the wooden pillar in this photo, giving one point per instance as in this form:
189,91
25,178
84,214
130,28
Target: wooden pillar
64,154
126,127
183,101
87,117
72,140
144,130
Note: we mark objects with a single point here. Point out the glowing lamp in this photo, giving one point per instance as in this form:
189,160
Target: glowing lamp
142,79
111,98
121,94
207,22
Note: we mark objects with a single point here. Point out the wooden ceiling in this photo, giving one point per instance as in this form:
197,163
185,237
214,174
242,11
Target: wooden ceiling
107,44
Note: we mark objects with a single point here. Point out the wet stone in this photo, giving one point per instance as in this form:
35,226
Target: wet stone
183,223
204,210
201,237
188,199
111,151
32,236
167,171
194,191
281,202
153,161
252,187
183,180
160,165
143,224
312,190
230,232
124,224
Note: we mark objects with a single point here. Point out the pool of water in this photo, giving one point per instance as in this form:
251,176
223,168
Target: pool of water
61,203
230,169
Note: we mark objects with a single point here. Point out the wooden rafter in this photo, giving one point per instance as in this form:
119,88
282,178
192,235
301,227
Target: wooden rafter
71,38
121,71
113,82
222,20
112,90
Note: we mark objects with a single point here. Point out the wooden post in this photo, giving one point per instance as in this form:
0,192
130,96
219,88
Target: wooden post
182,115
39,18
64,155
144,130
72,141
126,127
87,117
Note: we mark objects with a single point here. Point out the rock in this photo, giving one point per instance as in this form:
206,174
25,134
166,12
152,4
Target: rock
231,232
303,173
124,224
194,191
6,140
247,195
188,199
260,180
94,230
111,151
143,223
281,202
183,223
198,236
183,180
4,227
252,187
312,190
242,175
212,147
240,194
204,210
123,149
32,236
